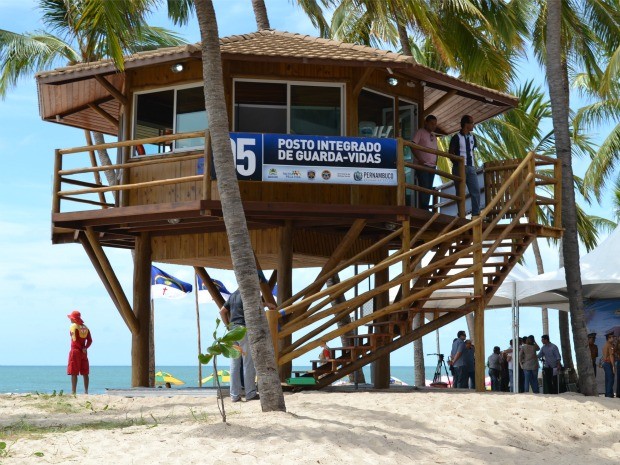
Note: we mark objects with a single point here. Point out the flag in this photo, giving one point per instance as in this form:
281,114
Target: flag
165,286
203,293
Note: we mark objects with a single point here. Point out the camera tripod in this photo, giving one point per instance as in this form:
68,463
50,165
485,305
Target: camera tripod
441,364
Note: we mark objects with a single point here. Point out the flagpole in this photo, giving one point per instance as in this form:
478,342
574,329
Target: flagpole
198,326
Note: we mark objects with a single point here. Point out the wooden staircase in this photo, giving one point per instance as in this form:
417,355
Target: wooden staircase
455,273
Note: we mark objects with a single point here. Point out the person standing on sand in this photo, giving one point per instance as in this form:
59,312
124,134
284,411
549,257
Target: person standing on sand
81,340
608,363
551,358
457,361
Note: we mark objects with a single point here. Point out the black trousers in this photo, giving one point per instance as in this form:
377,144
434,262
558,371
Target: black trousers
550,382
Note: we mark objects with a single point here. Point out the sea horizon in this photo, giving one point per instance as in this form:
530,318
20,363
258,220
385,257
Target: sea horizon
47,379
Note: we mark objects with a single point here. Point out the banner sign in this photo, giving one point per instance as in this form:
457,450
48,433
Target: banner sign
314,159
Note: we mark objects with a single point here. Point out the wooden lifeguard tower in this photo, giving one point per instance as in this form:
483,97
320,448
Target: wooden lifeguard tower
320,131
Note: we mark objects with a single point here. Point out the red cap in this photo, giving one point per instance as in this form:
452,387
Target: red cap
76,317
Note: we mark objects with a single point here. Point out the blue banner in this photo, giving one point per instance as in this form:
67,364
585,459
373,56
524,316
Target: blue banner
314,159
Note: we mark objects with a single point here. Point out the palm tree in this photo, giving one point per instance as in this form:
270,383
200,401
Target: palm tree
489,34
79,31
272,398
557,77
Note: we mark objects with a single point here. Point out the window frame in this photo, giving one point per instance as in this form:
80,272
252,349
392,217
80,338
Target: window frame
134,118
289,83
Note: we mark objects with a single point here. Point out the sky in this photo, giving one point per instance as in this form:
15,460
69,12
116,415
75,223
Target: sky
42,283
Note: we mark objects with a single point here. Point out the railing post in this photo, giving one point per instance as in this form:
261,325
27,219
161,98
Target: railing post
479,309
532,216
400,173
461,190
272,319
56,185
206,181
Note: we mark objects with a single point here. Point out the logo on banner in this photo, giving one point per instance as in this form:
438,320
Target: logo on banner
358,175
311,174
326,174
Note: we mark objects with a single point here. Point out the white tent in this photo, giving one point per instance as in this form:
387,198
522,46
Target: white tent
600,278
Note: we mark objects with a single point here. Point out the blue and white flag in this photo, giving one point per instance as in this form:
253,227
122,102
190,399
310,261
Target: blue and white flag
165,286
203,293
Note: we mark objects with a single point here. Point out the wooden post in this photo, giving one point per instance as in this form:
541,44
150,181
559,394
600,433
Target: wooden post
479,311
461,189
56,188
285,287
142,309
206,182
381,379
401,190
532,216
272,319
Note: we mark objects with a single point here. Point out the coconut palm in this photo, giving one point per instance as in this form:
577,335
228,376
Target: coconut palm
79,31
489,34
272,398
558,48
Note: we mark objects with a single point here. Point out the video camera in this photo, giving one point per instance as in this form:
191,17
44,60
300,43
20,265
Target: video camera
440,356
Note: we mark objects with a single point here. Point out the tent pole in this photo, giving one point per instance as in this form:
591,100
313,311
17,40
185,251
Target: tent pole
515,339
198,328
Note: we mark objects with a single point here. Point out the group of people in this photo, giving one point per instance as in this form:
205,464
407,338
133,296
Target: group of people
462,144
500,365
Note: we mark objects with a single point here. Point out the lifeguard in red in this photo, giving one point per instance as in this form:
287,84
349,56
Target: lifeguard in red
81,340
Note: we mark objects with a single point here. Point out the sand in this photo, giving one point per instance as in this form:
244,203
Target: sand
426,427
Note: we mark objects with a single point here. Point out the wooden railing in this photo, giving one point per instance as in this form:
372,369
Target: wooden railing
64,176
316,307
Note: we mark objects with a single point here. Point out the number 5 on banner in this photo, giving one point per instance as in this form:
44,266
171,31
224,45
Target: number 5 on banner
247,158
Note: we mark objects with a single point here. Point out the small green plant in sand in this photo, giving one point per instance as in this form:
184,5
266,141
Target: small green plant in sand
225,346
4,449
199,416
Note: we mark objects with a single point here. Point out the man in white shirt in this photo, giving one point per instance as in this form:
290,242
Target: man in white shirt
463,144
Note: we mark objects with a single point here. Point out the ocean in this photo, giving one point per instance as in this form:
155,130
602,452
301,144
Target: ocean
47,379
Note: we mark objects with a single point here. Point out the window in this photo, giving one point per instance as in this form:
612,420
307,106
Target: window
375,114
170,111
288,108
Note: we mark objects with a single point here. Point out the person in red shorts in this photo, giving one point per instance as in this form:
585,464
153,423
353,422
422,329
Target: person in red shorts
81,340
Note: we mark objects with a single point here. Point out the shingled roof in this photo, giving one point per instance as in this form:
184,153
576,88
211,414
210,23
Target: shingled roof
272,45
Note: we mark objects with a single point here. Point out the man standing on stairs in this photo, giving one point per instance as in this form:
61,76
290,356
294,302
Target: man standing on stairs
457,361
463,144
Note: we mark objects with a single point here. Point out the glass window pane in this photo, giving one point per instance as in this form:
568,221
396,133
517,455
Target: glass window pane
260,107
191,115
375,115
315,110
407,119
154,117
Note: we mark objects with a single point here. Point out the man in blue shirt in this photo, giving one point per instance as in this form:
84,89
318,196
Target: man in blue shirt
550,356
457,361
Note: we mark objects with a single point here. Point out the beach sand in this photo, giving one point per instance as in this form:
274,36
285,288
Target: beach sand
426,427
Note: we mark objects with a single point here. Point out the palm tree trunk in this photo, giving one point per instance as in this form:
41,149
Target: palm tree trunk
104,158
418,354
540,268
242,254
404,39
557,77
260,13
563,325
345,339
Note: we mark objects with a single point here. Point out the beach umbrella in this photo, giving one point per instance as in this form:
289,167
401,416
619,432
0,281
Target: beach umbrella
163,377
223,375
